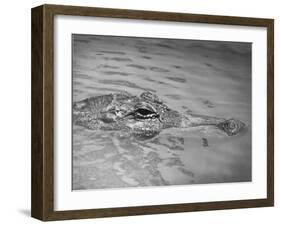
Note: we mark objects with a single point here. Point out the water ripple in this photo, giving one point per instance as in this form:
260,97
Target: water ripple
177,79
115,73
112,52
118,59
124,83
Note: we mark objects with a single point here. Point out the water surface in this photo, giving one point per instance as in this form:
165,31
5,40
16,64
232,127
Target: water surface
202,77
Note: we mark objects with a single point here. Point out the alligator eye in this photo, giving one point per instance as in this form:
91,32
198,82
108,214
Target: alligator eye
143,111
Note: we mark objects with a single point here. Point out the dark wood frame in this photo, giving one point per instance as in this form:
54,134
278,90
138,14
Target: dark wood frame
42,203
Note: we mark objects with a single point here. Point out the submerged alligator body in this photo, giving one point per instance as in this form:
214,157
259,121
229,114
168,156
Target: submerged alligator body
143,116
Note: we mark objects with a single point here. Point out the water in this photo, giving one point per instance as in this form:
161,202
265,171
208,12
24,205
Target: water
209,78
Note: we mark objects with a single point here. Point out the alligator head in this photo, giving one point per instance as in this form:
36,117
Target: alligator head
143,116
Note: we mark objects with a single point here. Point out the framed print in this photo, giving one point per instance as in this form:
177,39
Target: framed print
142,112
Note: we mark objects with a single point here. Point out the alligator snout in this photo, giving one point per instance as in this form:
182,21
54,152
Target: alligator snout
231,126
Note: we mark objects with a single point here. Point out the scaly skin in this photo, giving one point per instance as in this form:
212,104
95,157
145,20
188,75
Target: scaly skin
143,116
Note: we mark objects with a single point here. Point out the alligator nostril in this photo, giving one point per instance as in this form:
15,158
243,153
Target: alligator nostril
231,126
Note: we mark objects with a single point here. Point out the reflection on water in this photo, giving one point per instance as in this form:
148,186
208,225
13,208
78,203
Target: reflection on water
209,78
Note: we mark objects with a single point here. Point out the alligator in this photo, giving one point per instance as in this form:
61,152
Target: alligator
143,116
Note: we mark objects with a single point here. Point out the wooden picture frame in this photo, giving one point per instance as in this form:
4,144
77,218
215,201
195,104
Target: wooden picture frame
42,203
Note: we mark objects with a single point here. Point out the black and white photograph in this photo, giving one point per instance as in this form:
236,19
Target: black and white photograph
160,112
